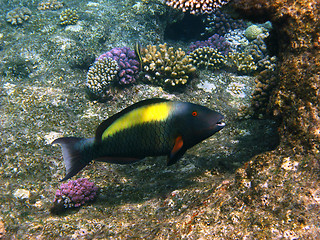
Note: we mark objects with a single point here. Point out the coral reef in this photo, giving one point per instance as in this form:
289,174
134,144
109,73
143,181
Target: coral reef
166,67
100,77
18,15
215,41
208,58
298,106
197,6
74,194
221,23
267,63
50,5
127,63
217,191
257,48
68,17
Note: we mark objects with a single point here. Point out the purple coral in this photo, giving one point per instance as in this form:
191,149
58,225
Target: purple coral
74,194
215,41
127,62
221,23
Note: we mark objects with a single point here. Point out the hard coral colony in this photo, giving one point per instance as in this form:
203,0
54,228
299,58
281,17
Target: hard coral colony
208,58
18,15
100,78
50,5
215,41
68,17
197,6
166,67
73,194
127,63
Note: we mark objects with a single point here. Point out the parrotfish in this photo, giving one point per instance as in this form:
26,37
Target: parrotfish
152,127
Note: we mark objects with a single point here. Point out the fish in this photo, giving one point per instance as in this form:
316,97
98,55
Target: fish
137,51
149,128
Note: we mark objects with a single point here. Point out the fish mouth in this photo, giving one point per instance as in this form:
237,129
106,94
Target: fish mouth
220,124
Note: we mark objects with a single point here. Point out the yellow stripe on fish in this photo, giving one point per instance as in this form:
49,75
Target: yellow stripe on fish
155,112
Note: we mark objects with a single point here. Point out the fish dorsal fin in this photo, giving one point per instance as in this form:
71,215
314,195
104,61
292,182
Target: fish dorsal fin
108,122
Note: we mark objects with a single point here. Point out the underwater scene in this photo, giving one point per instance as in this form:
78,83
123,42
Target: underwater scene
160,119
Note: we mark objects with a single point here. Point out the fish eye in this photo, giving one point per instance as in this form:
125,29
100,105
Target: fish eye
194,113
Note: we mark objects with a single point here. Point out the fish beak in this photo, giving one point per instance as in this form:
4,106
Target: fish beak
220,124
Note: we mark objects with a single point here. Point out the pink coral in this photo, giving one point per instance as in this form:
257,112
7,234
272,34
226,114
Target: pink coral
74,194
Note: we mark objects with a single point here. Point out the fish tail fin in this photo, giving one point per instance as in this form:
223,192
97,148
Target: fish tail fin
73,155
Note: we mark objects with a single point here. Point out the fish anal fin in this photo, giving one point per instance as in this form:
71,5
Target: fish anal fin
118,160
177,151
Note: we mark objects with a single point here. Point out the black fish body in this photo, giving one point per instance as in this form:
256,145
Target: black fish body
154,127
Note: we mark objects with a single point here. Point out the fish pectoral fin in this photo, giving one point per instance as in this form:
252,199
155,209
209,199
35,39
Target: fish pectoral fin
177,151
118,160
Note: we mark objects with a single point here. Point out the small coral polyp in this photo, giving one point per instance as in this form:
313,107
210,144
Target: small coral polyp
166,67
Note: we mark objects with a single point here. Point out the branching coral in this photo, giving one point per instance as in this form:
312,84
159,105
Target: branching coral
243,62
221,23
215,41
208,58
18,15
69,17
258,50
166,67
237,41
127,62
197,6
50,5
100,76
74,194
